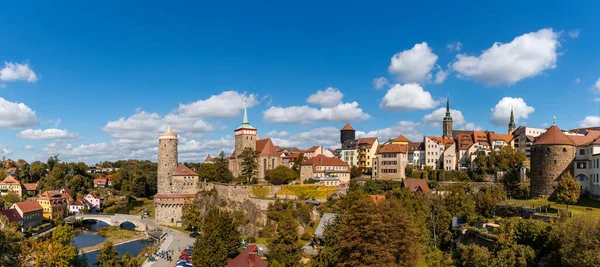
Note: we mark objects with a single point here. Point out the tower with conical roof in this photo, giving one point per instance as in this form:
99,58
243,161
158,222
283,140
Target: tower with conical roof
245,135
511,124
447,122
347,133
167,160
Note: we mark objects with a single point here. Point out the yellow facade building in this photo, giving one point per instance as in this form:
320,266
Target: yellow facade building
54,204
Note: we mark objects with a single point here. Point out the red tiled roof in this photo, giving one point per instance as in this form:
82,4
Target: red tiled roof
392,148
248,258
208,158
347,127
322,160
412,146
183,170
312,149
401,138
10,180
30,187
553,136
265,147
29,206
100,180
174,196
416,184
591,136
501,137
11,214
54,196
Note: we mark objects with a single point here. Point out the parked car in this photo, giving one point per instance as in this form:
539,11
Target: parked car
194,234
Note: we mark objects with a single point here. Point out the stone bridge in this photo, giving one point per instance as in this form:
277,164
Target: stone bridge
117,220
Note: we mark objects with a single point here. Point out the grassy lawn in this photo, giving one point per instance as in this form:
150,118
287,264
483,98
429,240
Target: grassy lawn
585,205
259,240
310,191
143,204
115,234
180,228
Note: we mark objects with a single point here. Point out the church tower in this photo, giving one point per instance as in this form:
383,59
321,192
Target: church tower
245,135
167,160
511,124
447,123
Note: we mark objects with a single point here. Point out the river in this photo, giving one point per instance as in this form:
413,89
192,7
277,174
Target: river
87,236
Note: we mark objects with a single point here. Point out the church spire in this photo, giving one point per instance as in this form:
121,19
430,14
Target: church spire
511,123
447,122
169,129
245,123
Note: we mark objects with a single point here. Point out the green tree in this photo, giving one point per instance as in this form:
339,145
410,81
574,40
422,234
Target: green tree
458,201
356,171
473,255
297,163
10,239
11,198
57,251
108,256
576,241
249,164
80,184
487,199
219,239
281,175
285,247
567,190
52,161
191,215
130,261
222,172
207,171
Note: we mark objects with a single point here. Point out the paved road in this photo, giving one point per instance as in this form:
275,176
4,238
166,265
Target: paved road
175,241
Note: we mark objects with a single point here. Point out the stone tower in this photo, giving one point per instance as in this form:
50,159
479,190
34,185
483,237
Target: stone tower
511,124
245,135
551,156
167,160
447,123
347,133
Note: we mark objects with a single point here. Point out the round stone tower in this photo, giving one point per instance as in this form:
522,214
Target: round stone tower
347,133
551,156
167,160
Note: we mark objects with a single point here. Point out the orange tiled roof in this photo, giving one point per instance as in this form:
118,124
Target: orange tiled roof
322,160
392,148
591,136
401,138
265,147
10,180
100,180
416,185
347,127
30,187
29,206
183,170
501,137
553,136
312,149
367,140
208,158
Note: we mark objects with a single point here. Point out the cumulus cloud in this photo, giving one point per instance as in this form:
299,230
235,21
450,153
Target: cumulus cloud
597,85
340,112
4,151
277,134
227,104
16,115
577,80
17,72
407,128
414,65
590,121
574,33
325,136
28,147
50,133
471,127
525,56
380,82
328,98
434,119
501,112
407,97
441,76
456,46
305,114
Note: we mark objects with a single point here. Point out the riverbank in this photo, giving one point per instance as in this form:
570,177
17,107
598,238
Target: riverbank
115,235
99,246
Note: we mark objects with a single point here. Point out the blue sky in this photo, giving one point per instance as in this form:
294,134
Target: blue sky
99,81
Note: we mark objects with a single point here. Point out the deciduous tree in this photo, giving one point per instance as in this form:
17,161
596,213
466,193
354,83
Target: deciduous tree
219,239
108,256
285,248
281,175
567,190
191,215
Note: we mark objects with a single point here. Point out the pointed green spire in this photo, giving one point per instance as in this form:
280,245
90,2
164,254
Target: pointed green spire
245,123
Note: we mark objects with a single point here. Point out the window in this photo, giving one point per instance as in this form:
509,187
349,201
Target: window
264,166
564,150
581,151
554,162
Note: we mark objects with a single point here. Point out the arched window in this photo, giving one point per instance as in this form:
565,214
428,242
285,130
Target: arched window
265,166
272,163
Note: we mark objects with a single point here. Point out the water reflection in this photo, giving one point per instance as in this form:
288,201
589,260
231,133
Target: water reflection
87,234
133,248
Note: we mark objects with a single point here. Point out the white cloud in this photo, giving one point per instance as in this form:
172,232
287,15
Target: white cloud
597,99
407,97
17,72
380,82
406,128
434,119
414,65
597,85
329,98
454,46
4,151
277,134
441,76
526,56
577,80
16,115
227,104
326,136
50,133
28,147
574,33
305,114
471,127
590,121
501,112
